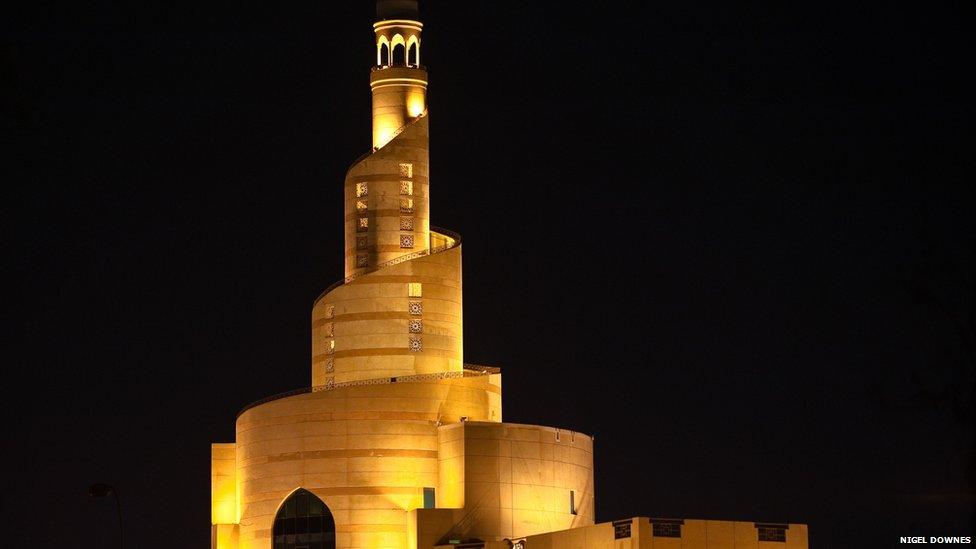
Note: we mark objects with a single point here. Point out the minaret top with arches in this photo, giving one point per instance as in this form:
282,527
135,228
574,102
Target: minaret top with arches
398,31
398,80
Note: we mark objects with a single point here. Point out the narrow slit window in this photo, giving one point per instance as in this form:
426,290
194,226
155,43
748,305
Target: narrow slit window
572,502
429,502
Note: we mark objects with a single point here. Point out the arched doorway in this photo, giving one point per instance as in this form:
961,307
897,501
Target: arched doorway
304,522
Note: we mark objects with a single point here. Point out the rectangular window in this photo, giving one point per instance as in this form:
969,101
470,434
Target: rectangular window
362,225
429,498
406,188
406,170
361,190
415,289
406,204
360,206
572,502
771,533
621,529
666,528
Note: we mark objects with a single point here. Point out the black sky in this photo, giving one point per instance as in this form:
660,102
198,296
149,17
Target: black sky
735,244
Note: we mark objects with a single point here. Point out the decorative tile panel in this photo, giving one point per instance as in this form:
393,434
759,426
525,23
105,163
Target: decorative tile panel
361,242
329,329
362,260
329,311
416,307
416,326
415,289
361,190
360,206
406,170
416,344
406,241
406,204
406,188
330,365
362,225
406,223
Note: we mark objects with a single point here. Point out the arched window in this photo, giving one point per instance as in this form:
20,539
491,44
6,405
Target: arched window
304,522
413,52
398,48
383,52
399,59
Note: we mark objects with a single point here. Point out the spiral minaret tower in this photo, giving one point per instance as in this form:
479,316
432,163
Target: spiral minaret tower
397,442
398,310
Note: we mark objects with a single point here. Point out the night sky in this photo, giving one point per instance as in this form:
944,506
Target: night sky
734,244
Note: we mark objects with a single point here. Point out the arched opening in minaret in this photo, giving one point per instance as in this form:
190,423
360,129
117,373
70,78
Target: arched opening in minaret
383,52
413,52
399,56
304,522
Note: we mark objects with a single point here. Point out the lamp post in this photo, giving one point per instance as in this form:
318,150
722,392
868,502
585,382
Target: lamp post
101,490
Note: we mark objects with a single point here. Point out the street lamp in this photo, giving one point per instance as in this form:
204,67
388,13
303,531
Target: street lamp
101,490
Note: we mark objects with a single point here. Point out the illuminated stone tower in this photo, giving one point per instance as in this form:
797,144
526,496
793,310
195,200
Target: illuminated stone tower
378,451
398,443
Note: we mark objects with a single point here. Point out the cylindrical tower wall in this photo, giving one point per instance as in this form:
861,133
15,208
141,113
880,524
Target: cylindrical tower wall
404,319
399,96
387,202
368,452
398,81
